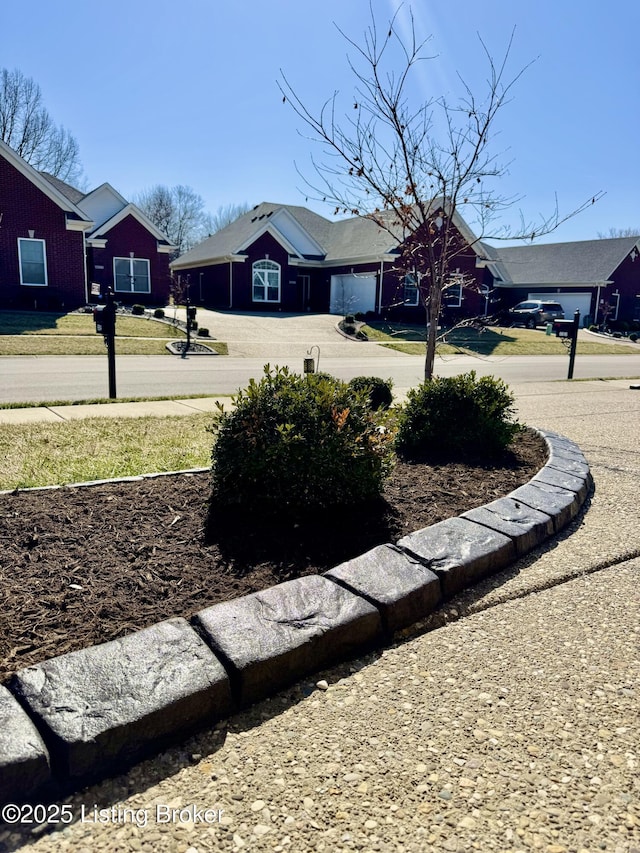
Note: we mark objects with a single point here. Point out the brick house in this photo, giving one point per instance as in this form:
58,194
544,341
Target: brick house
286,258
55,242
599,278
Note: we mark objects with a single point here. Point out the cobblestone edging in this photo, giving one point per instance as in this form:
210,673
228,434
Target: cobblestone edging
87,714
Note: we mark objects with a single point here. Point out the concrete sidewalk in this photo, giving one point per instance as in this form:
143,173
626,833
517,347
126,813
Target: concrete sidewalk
153,408
514,727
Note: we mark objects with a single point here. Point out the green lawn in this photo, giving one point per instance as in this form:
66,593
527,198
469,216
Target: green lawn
50,323
49,333
44,454
489,341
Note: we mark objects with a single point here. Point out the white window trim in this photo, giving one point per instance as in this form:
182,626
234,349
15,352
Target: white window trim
130,261
453,290
22,240
415,283
273,267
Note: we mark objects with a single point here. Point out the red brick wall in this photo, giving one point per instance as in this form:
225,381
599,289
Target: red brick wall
126,237
26,208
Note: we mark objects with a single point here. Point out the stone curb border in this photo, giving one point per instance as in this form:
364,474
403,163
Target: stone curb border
82,716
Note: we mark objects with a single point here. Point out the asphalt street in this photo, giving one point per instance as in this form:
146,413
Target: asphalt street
46,378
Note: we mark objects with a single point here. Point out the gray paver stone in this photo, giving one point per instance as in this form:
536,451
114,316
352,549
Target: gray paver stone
527,527
579,484
401,588
562,505
24,760
105,706
276,636
459,551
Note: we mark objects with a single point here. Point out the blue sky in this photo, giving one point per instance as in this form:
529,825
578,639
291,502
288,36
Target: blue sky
157,91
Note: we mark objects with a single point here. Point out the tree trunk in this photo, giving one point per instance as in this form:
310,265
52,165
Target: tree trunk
435,301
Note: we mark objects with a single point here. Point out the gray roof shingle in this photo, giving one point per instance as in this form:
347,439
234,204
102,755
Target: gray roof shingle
581,262
67,190
345,239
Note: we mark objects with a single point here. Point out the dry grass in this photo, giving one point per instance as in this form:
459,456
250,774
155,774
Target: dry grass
490,341
44,454
50,333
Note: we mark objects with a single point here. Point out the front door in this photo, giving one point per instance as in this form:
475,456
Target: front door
304,288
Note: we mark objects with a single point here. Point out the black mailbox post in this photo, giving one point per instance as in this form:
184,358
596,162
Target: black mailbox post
191,319
567,331
104,316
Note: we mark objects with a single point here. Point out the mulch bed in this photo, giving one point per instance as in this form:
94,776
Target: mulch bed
85,565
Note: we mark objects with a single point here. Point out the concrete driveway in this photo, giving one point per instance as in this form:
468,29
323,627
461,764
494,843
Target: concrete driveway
277,335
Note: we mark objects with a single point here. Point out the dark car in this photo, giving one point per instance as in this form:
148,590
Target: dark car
535,312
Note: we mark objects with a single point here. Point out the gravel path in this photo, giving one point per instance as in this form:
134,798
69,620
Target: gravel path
514,728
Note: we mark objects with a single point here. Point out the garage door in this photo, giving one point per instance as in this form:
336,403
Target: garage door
571,302
351,294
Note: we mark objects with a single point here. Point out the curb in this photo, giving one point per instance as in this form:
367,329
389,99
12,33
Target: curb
79,717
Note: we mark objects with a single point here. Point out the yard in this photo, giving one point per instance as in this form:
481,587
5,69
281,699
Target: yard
488,341
49,333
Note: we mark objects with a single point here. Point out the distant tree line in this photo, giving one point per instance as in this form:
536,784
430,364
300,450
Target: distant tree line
27,127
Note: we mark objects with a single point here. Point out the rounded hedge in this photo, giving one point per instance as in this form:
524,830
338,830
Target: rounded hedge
294,444
379,390
457,416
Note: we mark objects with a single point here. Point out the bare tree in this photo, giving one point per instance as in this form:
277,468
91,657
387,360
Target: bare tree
177,211
224,215
618,232
27,127
414,167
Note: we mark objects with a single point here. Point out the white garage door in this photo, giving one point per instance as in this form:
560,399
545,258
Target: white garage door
571,302
352,293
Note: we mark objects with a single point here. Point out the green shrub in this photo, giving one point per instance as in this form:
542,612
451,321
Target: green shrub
294,444
137,309
593,328
349,328
350,319
379,390
159,313
633,337
457,416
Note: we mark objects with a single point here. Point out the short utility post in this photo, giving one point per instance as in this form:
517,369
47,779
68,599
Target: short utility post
567,331
104,316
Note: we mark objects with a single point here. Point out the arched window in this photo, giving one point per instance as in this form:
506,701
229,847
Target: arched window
266,281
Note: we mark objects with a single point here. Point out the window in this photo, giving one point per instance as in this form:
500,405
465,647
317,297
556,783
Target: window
411,293
452,295
266,281
131,275
33,262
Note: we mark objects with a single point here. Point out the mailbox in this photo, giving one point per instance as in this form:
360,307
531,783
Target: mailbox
191,312
563,328
105,319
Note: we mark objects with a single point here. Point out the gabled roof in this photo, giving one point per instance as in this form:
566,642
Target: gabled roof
581,262
74,195
303,233
76,219
128,210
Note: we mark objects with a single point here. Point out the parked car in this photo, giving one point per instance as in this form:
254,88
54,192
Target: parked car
534,313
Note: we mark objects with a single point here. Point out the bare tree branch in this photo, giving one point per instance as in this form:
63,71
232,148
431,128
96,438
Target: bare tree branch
27,128
414,167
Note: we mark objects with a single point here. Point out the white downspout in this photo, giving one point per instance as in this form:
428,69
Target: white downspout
380,289
230,283
595,317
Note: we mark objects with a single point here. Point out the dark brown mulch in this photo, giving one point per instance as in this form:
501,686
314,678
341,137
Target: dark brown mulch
85,565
